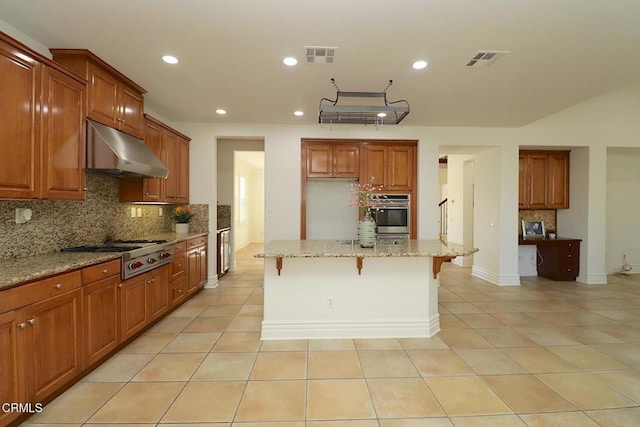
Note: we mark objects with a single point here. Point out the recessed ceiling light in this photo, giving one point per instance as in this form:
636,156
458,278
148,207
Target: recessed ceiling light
170,59
382,114
298,113
290,61
221,111
419,65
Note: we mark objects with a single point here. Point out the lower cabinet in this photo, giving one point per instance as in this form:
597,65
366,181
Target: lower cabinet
560,261
142,299
12,366
196,263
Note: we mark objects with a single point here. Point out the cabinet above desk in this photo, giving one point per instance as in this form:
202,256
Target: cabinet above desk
557,259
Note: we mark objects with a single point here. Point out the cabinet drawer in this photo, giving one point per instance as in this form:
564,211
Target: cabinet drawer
178,290
34,292
178,265
198,241
179,247
100,271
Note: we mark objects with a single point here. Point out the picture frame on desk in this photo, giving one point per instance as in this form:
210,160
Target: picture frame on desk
533,229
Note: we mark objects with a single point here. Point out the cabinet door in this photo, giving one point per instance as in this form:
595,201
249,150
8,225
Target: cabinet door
133,307
54,344
346,161
178,265
523,199
178,291
374,165
11,363
130,115
173,164
19,129
203,265
102,96
182,195
558,180
158,291
63,136
537,181
101,332
319,161
193,270
400,168
153,188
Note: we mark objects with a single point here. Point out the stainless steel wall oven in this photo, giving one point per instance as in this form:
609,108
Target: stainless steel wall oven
392,213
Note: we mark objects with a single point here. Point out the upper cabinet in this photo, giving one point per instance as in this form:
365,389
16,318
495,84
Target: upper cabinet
112,99
543,180
332,160
391,166
42,154
172,148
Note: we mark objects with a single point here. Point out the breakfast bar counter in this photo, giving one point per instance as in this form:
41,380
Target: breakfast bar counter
319,289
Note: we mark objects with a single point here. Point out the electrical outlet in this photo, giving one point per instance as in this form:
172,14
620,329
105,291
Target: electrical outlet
139,212
330,302
133,212
519,257
160,213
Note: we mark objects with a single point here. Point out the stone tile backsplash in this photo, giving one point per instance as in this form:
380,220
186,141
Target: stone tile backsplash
224,216
548,216
58,224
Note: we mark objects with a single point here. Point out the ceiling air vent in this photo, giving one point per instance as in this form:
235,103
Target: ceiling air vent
485,58
320,54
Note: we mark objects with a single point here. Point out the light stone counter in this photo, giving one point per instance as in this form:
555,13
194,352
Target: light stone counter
320,289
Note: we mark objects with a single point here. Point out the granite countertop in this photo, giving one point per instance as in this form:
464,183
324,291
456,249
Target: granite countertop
16,271
349,248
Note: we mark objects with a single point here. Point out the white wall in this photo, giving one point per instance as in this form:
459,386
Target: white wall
328,213
623,195
256,216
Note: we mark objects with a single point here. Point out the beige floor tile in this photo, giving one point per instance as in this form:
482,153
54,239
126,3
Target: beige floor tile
192,342
221,310
270,424
188,310
208,324
434,342
251,310
338,400
285,345
548,336
120,367
587,358
417,422
84,398
585,391
450,321
225,367
489,361
588,335
238,342
560,419
387,364
480,320
625,353
151,342
170,367
113,425
349,423
514,319
461,307
245,323
539,360
378,344
206,402
626,382
616,417
463,396
527,394
463,338
138,403
274,365
236,291
272,401
255,300
403,398
330,345
439,362
231,299
334,364
506,337
489,421
171,324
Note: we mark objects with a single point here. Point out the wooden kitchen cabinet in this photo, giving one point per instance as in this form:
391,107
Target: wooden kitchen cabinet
177,160
12,386
196,263
332,160
178,275
43,113
112,98
543,180
390,166
157,292
100,310
558,259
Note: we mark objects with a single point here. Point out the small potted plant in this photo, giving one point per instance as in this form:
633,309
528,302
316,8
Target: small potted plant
364,196
182,215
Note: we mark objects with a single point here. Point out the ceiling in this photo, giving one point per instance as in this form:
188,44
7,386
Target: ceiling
231,51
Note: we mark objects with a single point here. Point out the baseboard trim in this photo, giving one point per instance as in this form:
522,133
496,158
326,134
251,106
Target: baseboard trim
496,279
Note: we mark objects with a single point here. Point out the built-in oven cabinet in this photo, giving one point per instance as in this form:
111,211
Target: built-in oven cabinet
100,285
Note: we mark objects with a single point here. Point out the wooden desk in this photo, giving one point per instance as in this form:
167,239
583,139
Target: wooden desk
558,259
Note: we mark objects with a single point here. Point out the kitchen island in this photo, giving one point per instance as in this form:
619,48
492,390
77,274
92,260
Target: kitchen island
321,289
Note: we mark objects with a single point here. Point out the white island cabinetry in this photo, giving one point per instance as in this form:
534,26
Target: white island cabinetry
322,289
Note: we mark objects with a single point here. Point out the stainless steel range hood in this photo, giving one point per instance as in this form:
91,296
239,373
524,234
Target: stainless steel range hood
118,154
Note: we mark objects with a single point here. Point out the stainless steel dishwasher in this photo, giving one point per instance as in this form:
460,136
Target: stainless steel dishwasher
224,250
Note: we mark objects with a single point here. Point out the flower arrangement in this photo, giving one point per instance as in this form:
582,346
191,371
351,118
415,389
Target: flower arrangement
364,196
182,214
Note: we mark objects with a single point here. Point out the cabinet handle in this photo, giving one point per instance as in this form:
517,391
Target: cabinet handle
179,291
31,321
179,265
569,255
120,285
22,325
150,281
105,271
58,286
